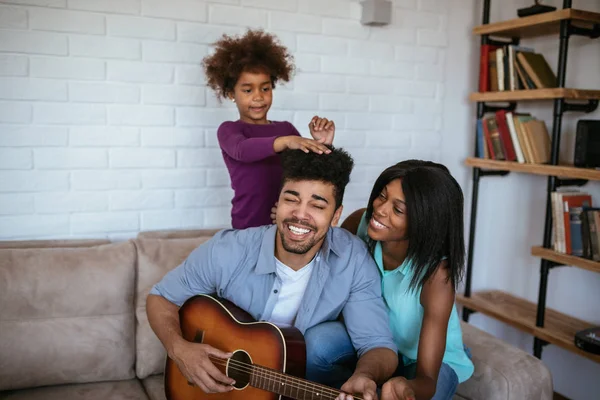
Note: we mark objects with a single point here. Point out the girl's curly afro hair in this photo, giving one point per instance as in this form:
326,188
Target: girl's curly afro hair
255,51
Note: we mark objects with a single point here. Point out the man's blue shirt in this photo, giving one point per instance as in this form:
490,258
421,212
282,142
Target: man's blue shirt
239,265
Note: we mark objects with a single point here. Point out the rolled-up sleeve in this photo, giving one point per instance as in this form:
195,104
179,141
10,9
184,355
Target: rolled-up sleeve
365,313
198,274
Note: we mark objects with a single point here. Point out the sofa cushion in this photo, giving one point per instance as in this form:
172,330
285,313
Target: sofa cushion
66,315
120,390
502,371
156,257
155,387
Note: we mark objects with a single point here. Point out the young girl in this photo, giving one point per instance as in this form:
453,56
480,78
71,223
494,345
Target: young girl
413,226
245,70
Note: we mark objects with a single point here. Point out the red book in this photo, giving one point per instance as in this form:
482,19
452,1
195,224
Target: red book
569,201
505,136
484,71
488,139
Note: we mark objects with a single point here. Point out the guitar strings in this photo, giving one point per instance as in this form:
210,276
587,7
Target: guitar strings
267,373
264,373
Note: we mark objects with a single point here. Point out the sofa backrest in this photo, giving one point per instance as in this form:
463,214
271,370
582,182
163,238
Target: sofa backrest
66,313
42,244
157,254
178,234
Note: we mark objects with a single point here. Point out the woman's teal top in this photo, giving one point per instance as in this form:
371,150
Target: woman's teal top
406,314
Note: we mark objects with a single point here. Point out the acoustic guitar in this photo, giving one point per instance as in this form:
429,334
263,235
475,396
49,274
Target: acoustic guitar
267,363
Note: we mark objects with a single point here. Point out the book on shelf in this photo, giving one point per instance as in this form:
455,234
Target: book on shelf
507,144
511,67
493,72
515,82
590,230
575,228
501,68
485,65
536,67
513,136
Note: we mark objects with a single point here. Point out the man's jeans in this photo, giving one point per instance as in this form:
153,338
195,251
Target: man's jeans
331,359
330,355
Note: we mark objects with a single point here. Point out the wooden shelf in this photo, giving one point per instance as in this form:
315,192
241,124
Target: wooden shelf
559,329
538,25
566,259
561,171
536,94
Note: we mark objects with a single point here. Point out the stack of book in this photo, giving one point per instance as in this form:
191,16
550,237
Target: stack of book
576,224
513,67
513,137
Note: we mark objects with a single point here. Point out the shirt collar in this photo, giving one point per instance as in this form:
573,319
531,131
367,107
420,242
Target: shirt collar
330,244
266,259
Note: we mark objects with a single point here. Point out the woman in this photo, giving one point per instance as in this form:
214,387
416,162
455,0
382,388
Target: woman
413,226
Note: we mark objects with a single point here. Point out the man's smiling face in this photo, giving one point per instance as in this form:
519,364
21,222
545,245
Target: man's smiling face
305,212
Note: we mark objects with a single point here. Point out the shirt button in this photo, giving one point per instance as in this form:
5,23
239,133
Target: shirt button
275,291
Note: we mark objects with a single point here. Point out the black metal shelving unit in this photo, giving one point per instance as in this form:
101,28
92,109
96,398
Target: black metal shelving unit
561,106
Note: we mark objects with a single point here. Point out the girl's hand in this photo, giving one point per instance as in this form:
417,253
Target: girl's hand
397,389
322,129
274,212
299,143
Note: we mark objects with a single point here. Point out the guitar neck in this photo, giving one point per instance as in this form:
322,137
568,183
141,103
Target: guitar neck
290,386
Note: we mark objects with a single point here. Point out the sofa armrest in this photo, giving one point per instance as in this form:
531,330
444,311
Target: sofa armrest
502,371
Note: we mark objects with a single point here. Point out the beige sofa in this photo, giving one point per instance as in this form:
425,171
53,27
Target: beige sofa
73,324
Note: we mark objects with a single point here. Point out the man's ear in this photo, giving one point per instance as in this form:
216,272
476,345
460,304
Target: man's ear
337,215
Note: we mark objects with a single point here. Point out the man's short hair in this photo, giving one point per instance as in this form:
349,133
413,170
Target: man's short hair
334,168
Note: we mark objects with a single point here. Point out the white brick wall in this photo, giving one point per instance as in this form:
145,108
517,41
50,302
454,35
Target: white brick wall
103,47
13,65
69,68
66,21
33,89
107,127
175,9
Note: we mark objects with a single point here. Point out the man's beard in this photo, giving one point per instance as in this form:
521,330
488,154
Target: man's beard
297,247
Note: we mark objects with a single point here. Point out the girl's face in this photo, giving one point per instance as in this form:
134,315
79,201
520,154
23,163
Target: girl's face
253,95
389,221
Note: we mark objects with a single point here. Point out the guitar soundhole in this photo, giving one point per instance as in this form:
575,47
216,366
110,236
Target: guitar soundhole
239,368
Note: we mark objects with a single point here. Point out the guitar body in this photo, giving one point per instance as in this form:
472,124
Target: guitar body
219,323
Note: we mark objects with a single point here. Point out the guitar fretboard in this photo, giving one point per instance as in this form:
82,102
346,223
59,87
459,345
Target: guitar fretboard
290,386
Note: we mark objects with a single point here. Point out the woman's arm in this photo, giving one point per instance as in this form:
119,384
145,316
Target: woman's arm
353,220
437,299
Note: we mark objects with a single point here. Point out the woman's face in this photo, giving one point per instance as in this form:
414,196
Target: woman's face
389,221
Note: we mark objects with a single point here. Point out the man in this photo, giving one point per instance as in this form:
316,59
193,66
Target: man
299,272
